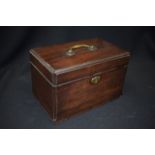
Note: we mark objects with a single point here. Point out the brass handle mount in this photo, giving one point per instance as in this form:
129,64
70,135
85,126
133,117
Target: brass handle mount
72,52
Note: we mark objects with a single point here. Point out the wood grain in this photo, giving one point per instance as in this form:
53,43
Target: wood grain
71,91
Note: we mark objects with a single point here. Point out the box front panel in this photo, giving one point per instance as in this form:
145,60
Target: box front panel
84,94
91,69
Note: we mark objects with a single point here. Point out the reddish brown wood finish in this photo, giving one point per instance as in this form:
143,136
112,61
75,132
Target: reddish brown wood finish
62,84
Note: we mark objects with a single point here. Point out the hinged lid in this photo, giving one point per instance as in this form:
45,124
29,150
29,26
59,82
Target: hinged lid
60,59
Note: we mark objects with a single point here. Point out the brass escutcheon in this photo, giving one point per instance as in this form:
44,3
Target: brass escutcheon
95,79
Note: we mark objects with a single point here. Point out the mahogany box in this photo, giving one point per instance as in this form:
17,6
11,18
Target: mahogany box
73,77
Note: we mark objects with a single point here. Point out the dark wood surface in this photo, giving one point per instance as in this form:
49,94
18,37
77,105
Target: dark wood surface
55,55
42,91
83,95
72,91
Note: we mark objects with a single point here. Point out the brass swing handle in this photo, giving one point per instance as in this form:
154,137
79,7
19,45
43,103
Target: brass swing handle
72,52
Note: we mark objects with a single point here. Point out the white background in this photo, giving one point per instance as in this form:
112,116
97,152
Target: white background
77,142
77,12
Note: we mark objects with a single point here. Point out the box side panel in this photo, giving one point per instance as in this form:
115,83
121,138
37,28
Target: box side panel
43,92
82,95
